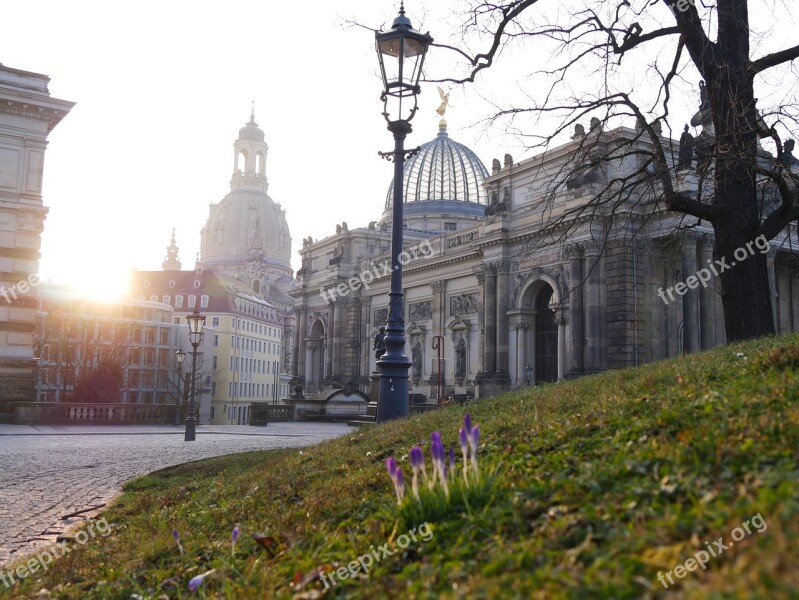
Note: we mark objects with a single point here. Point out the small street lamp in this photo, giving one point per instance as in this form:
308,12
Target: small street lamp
196,323
401,52
180,356
528,374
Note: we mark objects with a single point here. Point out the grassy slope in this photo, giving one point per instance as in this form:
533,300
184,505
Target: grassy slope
601,483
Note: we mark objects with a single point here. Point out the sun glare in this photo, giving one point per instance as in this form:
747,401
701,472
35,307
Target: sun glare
108,288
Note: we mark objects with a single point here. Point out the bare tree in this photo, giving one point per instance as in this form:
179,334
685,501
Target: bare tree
614,40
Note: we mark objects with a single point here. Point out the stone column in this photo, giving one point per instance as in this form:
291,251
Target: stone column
707,296
503,269
334,340
531,341
480,276
439,289
299,357
574,254
560,315
521,353
690,301
593,309
490,341
331,338
366,341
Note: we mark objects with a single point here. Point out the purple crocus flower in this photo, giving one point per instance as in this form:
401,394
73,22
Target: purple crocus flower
417,464
399,485
467,422
437,450
463,438
196,582
234,537
391,467
177,539
474,440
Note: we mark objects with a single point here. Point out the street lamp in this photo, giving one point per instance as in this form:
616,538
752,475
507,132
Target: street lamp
401,52
528,374
196,323
180,356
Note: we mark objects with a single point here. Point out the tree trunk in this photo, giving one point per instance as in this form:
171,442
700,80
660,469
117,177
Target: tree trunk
745,289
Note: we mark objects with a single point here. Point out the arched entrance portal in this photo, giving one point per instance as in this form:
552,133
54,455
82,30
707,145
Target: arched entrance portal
539,331
546,337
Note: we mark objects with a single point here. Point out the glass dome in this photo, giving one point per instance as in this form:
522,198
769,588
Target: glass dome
442,171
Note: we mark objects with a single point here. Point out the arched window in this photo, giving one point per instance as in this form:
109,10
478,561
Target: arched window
259,163
241,161
178,301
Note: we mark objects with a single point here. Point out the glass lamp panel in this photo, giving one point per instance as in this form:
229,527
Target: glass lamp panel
388,51
411,69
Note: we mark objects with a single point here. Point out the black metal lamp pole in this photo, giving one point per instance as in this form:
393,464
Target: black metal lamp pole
401,52
180,355
196,322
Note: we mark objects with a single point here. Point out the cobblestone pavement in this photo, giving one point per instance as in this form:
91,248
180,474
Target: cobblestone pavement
49,472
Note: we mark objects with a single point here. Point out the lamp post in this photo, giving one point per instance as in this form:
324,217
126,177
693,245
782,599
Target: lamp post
180,356
528,374
196,323
401,52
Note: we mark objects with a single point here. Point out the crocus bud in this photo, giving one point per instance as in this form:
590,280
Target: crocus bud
399,486
391,467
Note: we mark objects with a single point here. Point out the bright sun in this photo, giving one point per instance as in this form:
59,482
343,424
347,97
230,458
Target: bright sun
109,287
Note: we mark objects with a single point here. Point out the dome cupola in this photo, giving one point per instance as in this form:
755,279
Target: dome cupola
444,176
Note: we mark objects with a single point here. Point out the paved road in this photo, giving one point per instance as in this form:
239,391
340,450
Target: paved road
48,472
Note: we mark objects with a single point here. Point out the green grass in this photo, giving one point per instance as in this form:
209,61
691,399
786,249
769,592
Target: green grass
598,484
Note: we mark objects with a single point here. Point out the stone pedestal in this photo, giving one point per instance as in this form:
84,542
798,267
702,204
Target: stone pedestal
492,384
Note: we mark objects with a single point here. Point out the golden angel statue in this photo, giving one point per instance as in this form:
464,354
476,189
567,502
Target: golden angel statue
442,108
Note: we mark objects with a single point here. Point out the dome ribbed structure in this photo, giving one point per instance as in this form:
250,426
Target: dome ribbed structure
442,171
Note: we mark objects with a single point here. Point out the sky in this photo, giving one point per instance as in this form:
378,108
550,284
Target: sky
162,89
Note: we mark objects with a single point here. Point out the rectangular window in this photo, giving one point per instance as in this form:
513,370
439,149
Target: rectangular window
178,301
215,321
203,301
216,340
192,301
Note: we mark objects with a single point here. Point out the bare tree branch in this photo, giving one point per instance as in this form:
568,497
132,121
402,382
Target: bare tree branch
772,60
